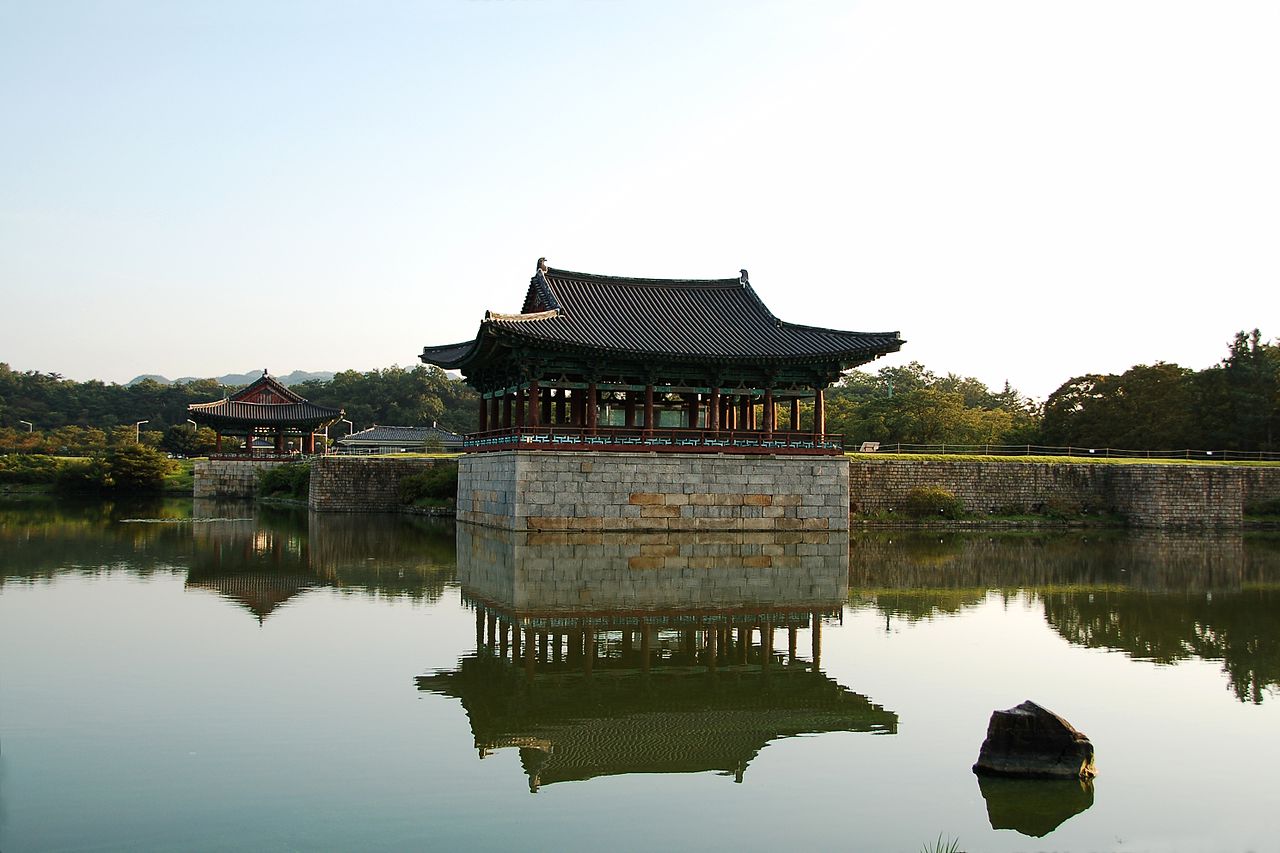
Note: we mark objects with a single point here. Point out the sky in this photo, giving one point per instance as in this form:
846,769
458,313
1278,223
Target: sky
1026,191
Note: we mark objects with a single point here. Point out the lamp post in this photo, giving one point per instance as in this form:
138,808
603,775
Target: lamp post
137,431
194,426
29,425
350,426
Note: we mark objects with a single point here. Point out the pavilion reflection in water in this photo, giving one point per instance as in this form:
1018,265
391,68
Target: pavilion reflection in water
261,558
604,654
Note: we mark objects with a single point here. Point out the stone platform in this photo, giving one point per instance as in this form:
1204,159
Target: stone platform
548,490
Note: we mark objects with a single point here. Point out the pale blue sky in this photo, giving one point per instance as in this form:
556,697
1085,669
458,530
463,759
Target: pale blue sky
1026,190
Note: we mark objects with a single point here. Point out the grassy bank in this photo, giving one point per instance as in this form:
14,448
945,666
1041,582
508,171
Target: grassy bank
34,474
1063,460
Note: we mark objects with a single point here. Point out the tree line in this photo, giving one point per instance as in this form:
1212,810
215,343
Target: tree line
1232,405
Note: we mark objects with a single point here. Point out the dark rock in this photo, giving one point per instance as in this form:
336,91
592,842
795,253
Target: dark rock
1034,807
1030,741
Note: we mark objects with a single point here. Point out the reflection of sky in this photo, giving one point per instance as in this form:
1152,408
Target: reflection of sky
136,715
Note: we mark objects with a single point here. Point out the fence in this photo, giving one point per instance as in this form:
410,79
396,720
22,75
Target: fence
1087,452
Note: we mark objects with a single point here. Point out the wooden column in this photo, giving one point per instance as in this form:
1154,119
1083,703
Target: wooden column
769,413
819,414
751,413
248,441
694,407
309,443
560,400
530,651
588,651
495,421
766,645
644,646
593,406
629,409
535,404
791,644
746,411
484,414
503,627
795,414
519,413
713,410
479,627
217,442
491,629
280,441
546,407
506,410
713,651
816,631
648,407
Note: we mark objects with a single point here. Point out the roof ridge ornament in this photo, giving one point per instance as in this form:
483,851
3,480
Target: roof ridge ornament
742,278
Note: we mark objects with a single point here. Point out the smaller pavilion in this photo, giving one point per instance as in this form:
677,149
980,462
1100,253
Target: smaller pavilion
268,409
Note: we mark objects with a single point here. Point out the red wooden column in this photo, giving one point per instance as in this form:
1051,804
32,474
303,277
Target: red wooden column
745,411
770,415
819,414
546,407
593,405
484,413
694,406
560,400
506,410
648,407
309,443
248,441
217,442
629,409
713,410
535,403
495,420
279,447
795,414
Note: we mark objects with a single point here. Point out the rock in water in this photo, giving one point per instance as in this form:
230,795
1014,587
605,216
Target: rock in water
1031,741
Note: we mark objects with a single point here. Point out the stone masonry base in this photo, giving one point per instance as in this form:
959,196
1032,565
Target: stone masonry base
541,490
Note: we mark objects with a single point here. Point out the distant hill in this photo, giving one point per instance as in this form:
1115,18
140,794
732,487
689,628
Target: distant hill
237,379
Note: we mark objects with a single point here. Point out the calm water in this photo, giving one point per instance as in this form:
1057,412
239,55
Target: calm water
223,677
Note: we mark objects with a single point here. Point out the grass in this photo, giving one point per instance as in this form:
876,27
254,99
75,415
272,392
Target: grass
181,476
1065,460
940,846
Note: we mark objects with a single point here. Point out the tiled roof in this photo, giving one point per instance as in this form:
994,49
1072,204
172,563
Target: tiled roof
264,402
400,435
719,320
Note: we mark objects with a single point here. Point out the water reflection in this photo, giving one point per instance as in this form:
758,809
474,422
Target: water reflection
258,557
605,654
1034,807
1163,598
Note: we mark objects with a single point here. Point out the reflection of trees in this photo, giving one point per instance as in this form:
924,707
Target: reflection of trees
1162,597
43,538
254,554
1237,628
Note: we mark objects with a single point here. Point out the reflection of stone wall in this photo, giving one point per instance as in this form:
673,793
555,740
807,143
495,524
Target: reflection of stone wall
229,478
538,490
644,571
355,484
1166,562
1147,495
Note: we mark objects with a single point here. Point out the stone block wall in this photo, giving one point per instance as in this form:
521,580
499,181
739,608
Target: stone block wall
1147,495
542,490
361,484
229,478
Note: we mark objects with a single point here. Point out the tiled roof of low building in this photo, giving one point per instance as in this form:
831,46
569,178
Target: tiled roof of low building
400,435
264,402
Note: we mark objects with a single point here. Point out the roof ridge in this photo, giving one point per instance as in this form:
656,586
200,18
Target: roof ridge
660,282
541,315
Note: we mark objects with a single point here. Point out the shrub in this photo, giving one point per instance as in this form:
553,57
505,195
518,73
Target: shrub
931,502
1265,508
136,468
437,486
290,480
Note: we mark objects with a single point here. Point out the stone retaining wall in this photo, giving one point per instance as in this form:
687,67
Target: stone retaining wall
541,490
1146,495
361,484
229,478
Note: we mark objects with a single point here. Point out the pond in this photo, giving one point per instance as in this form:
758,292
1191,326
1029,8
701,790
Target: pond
221,677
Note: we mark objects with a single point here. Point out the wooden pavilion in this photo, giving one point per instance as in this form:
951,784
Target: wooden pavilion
265,408
609,363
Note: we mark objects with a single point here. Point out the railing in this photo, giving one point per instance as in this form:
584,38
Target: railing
665,440
1088,452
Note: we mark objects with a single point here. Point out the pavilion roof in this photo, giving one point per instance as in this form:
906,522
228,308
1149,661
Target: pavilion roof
264,402
721,320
